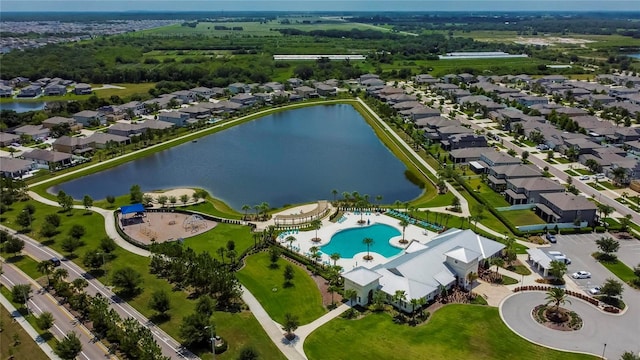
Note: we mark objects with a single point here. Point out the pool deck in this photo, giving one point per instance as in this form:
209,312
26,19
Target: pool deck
304,242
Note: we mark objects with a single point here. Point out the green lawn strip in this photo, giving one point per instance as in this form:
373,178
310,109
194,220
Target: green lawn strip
217,237
46,335
507,280
303,299
453,332
571,172
620,269
596,186
609,185
215,207
583,171
519,269
25,263
493,198
562,160
523,217
180,305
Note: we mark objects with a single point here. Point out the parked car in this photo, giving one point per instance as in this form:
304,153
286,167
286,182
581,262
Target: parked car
594,290
581,275
584,177
557,255
551,238
600,176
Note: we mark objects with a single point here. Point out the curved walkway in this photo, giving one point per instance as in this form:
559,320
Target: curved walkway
618,332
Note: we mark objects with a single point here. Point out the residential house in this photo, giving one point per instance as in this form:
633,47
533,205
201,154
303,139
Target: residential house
6,91
7,139
238,87
566,208
423,270
498,158
133,108
552,79
126,129
372,82
185,96
533,100
631,166
325,90
51,122
425,79
72,145
202,92
306,91
14,168
366,77
498,175
175,117
30,91
458,141
624,134
36,132
197,112
634,146
466,78
245,99
45,159
581,145
528,190
82,89
89,118
420,112
274,86
55,90
469,155
294,82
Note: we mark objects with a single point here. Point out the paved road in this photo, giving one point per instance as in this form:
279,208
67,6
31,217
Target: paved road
618,332
41,301
169,346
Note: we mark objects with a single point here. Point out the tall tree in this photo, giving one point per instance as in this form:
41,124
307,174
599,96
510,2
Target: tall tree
87,201
368,242
557,296
290,325
127,280
70,347
160,302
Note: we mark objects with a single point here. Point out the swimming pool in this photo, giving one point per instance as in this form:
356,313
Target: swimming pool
348,242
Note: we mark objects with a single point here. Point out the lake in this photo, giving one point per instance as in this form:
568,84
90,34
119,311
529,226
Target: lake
21,107
289,157
636,56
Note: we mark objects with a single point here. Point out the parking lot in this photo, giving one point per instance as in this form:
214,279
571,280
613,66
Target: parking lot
579,249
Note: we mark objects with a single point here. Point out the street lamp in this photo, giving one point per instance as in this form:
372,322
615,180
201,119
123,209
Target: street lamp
213,341
603,350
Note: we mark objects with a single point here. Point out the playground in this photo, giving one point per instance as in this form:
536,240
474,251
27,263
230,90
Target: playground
148,227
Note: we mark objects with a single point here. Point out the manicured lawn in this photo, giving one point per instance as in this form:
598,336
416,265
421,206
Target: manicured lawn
583,171
571,172
493,198
25,263
46,335
217,237
620,269
609,185
302,299
438,201
523,217
596,186
25,348
453,332
562,160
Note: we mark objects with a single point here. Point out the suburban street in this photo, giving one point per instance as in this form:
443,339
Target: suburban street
41,301
170,347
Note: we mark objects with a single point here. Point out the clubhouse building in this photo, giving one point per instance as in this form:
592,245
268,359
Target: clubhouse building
423,270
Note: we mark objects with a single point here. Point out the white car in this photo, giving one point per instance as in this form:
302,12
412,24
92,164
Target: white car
581,275
594,290
584,177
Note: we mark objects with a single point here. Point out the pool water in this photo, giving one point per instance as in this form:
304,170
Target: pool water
348,242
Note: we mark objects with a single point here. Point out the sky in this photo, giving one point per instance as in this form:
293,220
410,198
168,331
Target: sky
318,5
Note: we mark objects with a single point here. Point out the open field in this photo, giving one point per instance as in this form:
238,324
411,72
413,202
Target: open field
523,217
129,90
453,332
302,299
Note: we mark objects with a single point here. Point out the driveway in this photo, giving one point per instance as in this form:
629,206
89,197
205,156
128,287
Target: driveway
618,332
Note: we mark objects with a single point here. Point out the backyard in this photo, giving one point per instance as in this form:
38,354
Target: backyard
523,217
453,332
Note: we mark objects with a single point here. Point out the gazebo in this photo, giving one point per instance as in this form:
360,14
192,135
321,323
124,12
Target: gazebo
137,210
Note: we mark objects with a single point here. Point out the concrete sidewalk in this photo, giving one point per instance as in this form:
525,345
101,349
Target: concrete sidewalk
17,316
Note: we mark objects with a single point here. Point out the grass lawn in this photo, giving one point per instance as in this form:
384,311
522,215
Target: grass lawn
493,198
302,299
217,237
562,160
523,217
596,186
609,185
571,172
24,348
507,280
438,201
583,171
453,332
519,269
25,263
227,325
620,269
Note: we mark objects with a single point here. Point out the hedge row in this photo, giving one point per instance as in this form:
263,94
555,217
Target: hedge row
581,296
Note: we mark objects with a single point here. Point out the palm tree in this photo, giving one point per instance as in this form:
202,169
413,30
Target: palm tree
291,323
426,213
378,200
414,303
221,250
45,268
498,262
399,297
471,277
246,209
335,257
332,289
316,225
350,294
290,239
397,204
619,175
369,242
264,207
314,253
334,192
558,296
606,211
60,274
403,223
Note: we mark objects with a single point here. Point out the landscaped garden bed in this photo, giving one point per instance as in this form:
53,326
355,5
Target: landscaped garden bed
557,319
